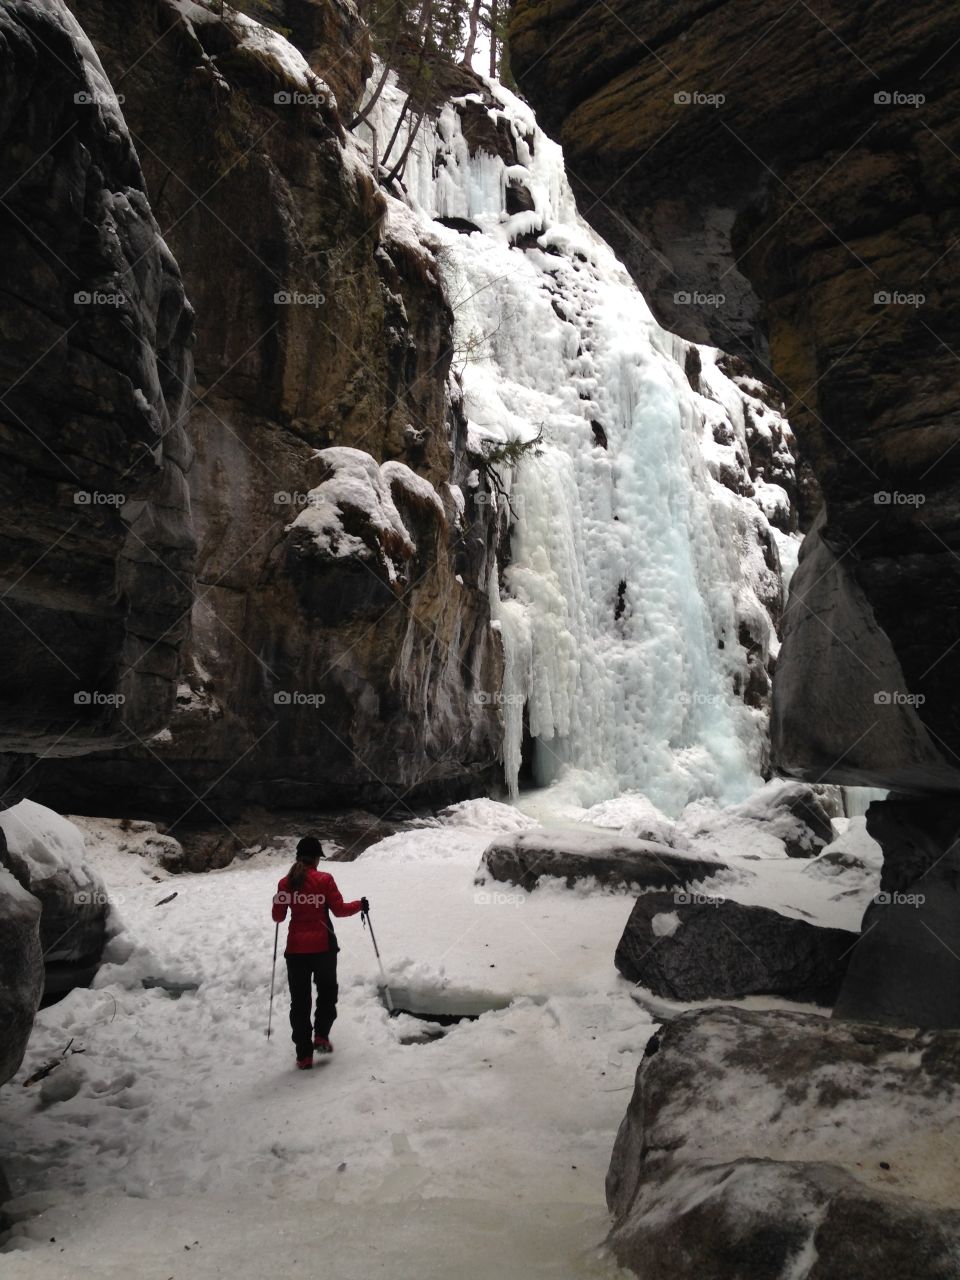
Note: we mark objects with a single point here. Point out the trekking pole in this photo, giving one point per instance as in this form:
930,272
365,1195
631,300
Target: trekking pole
365,917
273,977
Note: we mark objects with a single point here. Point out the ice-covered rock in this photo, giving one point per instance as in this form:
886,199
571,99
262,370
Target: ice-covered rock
45,854
21,970
526,858
777,1144
719,949
780,819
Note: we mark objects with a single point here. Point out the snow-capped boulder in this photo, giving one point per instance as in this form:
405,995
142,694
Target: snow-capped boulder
21,971
697,946
791,818
771,1144
45,854
523,859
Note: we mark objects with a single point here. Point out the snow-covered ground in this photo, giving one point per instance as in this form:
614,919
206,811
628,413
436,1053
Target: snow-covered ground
183,1143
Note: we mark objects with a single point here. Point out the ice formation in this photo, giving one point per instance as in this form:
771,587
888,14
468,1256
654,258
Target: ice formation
634,574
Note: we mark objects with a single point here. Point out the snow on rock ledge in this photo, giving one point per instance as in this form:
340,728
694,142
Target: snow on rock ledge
45,854
763,1144
352,513
525,858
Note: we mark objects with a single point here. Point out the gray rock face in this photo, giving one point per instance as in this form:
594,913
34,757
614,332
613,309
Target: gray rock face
752,1148
524,858
698,947
96,542
21,971
378,673
857,720
906,970
45,854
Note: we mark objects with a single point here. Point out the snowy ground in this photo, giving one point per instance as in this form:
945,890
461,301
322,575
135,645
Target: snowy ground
182,1144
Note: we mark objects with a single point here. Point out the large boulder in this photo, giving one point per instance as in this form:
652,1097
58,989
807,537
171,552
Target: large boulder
752,1148
783,817
21,971
45,854
526,857
906,969
778,181
695,946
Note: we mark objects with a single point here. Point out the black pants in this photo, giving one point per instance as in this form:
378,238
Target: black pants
319,967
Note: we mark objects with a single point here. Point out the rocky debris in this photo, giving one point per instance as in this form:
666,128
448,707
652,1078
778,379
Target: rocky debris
762,1144
841,298
783,818
906,970
21,971
306,675
526,857
703,946
95,523
45,853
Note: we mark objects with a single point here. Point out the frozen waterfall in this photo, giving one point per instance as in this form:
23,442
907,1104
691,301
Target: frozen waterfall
634,575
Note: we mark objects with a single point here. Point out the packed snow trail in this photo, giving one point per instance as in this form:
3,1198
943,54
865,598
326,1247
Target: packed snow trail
633,572
182,1143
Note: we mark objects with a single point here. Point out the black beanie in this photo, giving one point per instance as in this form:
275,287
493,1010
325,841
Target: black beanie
308,849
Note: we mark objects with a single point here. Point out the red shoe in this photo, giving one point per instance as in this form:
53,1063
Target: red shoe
322,1044
304,1064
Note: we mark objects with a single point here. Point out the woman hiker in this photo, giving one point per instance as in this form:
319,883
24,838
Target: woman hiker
311,952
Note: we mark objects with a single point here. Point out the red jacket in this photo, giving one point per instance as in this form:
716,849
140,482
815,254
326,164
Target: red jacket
310,906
